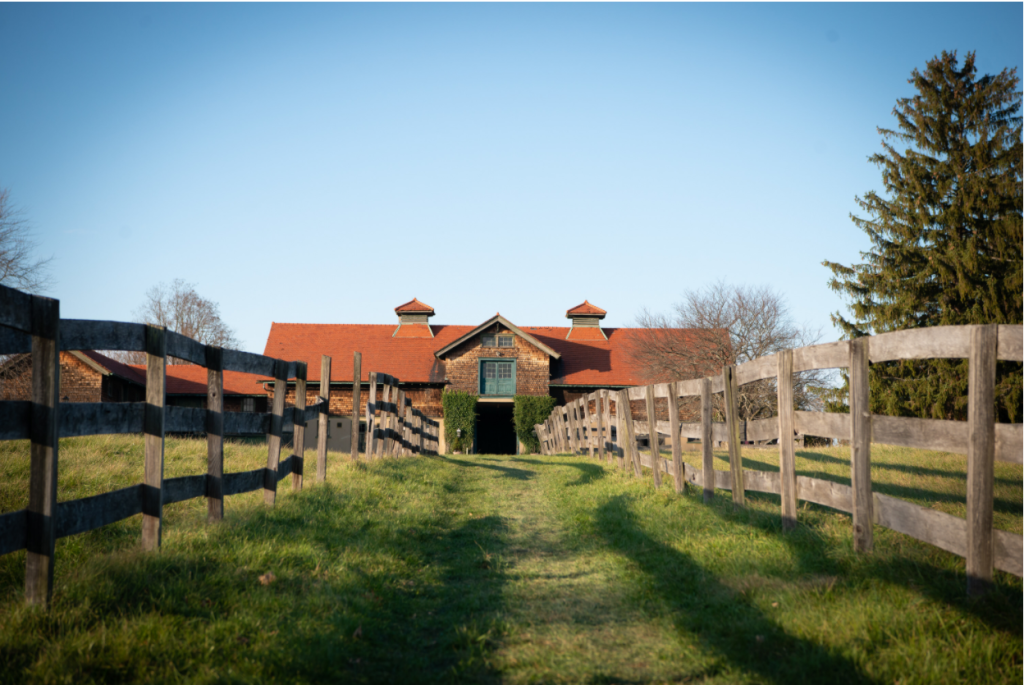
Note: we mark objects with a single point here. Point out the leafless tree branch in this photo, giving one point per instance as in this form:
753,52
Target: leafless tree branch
723,324
180,308
19,268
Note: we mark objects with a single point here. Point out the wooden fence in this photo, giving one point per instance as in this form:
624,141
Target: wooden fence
32,324
574,428
393,426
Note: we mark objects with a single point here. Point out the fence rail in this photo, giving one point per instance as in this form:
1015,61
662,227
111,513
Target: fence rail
393,426
573,428
32,324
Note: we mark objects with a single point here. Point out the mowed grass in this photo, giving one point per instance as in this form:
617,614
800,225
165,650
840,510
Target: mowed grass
503,569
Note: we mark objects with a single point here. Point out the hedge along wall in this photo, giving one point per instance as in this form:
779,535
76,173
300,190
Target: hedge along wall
527,412
459,412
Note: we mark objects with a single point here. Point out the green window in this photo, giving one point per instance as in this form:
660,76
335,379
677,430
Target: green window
497,341
497,377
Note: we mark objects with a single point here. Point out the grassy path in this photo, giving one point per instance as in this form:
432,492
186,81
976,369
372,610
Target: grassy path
490,569
606,580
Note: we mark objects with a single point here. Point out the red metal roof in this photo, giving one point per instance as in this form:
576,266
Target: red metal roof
414,305
585,309
411,360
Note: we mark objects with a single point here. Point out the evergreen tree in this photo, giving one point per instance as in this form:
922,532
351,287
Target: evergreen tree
946,234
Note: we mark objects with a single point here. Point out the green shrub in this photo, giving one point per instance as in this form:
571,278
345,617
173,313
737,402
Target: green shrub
528,411
459,412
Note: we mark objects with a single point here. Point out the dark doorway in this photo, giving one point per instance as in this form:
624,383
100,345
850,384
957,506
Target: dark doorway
495,432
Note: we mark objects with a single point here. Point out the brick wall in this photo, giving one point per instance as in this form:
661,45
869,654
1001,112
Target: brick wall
16,379
425,398
533,366
78,382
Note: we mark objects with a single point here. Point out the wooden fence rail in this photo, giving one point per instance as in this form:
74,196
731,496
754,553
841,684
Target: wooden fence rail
32,324
393,426
573,428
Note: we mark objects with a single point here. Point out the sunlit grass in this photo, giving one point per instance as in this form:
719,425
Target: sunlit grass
931,479
501,569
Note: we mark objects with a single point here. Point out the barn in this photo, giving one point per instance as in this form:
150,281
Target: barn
496,360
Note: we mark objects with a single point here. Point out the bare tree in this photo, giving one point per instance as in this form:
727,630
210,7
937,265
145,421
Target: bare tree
19,268
180,308
725,324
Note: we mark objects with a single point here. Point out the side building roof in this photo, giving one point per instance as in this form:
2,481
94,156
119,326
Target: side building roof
189,379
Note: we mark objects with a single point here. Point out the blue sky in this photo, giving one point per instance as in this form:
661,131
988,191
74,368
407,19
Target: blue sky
325,163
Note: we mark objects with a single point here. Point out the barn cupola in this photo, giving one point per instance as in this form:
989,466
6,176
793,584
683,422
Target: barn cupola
412,320
586,322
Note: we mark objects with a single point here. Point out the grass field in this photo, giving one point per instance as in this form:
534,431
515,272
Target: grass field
504,569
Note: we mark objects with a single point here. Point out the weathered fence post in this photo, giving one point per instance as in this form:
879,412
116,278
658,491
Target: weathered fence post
733,431
787,457
398,423
409,426
673,427
214,433
586,419
274,437
620,438
394,435
612,449
323,421
371,412
559,429
397,399
981,374
570,428
357,374
581,439
707,453
299,426
599,407
860,446
383,422
630,435
41,514
652,436
153,429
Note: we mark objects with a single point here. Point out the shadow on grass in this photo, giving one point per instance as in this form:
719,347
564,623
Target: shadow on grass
720,616
1001,609
518,474
959,474
589,472
365,594
921,495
